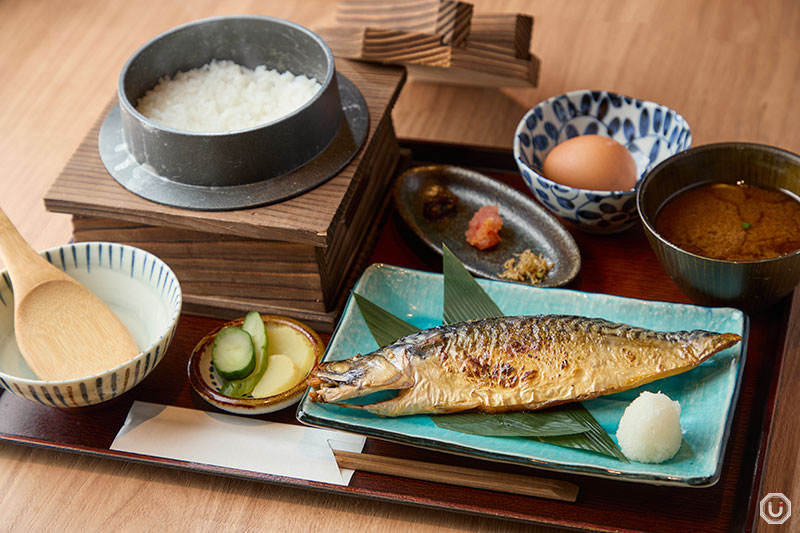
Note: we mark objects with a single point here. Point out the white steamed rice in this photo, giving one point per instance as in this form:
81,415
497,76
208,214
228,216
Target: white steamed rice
224,96
650,428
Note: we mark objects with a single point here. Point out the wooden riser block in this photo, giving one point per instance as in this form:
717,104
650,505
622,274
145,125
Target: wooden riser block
324,321
498,64
386,45
484,65
396,46
447,19
276,273
502,32
334,260
218,265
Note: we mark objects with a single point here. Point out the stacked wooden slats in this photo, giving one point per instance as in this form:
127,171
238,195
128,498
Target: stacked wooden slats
445,18
294,258
508,33
438,40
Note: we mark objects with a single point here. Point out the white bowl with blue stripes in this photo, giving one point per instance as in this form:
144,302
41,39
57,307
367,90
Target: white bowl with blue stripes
141,290
651,132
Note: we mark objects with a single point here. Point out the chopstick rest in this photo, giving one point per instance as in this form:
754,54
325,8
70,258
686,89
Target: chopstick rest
455,475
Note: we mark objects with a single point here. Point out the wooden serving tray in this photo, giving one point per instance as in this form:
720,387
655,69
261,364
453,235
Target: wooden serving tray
618,264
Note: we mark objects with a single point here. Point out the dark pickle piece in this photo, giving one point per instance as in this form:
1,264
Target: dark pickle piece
438,202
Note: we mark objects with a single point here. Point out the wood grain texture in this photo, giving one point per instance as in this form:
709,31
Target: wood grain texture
729,66
220,272
455,475
783,461
449,20
386,45
507,32
483,63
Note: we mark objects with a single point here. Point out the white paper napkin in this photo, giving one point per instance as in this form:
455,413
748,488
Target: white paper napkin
236,442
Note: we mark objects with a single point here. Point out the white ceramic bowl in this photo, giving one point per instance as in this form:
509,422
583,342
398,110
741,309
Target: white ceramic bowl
140,288
651,133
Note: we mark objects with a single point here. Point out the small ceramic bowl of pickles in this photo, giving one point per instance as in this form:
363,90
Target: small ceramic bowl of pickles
256,364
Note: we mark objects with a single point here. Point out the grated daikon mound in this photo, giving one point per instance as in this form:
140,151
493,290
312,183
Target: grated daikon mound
223,96
650,428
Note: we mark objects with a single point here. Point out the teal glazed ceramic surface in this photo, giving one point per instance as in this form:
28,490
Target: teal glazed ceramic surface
707,394
138,287
748,285
651,132
526,225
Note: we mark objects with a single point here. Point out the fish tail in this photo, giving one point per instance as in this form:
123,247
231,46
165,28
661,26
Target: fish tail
712,343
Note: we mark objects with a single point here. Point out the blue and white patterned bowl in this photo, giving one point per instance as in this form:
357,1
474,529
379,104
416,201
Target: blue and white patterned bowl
141,290
651,132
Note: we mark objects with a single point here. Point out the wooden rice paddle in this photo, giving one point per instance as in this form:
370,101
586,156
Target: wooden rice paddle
63,330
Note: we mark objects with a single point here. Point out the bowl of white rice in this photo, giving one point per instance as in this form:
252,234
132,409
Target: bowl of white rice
231,112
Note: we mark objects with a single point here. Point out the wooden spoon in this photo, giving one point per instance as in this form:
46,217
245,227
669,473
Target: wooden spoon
63,330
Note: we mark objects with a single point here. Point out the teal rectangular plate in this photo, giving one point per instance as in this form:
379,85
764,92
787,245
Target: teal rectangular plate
707,394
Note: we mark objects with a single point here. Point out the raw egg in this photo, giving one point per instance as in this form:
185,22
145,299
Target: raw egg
591,162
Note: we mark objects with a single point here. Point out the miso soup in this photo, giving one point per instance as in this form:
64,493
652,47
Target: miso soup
733,222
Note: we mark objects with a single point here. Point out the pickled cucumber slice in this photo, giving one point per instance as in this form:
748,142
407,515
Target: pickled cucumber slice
254,325
233,354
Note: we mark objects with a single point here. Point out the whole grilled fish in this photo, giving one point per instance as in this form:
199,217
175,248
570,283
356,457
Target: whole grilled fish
512,364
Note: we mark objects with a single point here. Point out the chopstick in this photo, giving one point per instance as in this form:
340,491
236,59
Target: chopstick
455,475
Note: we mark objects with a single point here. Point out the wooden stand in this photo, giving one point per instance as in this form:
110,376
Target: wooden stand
294,258
438,40
448,19
508,33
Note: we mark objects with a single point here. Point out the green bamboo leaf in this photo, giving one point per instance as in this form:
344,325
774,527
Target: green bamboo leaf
523,424
464,299
595,439
384,326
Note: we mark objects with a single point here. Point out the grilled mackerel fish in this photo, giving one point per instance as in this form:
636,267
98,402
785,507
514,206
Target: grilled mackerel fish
513,364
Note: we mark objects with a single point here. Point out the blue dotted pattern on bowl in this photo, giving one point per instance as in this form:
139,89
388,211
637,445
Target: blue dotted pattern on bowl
651,132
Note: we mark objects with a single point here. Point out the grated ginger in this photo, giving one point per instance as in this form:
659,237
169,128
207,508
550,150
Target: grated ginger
528,267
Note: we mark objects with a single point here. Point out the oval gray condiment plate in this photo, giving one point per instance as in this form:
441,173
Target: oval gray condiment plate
525,223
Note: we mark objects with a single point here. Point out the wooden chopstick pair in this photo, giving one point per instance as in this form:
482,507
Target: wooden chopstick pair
456,475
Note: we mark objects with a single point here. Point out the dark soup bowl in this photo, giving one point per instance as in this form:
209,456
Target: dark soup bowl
737,280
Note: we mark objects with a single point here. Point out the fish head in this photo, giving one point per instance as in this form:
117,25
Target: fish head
362,375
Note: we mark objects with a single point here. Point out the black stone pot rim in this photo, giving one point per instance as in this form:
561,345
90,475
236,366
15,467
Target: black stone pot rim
708,148
123,99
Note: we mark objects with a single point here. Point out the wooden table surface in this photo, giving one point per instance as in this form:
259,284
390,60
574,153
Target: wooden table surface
730,67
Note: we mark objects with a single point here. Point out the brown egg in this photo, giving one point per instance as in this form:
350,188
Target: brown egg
591,162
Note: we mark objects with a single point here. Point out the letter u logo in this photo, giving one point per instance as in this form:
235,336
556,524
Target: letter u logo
772,513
